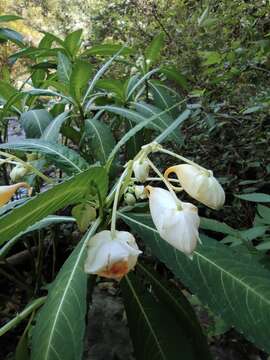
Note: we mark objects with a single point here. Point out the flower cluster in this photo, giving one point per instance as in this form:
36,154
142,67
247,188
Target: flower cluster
113,253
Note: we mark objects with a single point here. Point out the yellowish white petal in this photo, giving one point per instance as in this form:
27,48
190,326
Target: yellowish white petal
199,184
6,192
111,257
141,170
179,227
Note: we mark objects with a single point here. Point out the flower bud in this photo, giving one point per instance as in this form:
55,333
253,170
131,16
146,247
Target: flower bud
130,199
111,257
179,227
141,169
199,184
6,192
139,192
18,172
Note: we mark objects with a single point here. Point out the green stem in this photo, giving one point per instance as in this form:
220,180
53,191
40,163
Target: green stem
116,196
166,182
182,158
27,165
24,314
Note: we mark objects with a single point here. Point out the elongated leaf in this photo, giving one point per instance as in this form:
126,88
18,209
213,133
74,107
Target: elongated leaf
101,139
255,197
34,122
173,298
70,192
217,226
235,287
107,50
163,96
73,42
177,122
64,68
153,51
11,35
140,82
44,92
51,133
6,18
7,91
63,157
162,121
60,326
147,318
79,78
100,73
51,219
132,131
173,74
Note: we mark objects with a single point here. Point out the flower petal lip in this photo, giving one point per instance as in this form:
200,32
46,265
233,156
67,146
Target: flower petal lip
178,227
199,184
7,191
111,257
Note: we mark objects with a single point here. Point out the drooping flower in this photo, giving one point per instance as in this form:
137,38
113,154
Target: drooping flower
111,257
18,172
176,223
7,191
141,169
199,184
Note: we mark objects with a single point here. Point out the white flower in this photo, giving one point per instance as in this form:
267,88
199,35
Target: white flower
130,199
139,192
141,169
199,184
111,257
179,227
6,192
18,172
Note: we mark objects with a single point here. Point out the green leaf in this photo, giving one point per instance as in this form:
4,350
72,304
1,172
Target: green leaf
51,133
172,73
7,91
11,35
164,97
162,121
84,215
254,197
138,82
107,50
147,318
153,51
59,331
79,78
6,18
100,73
49,220
73,42
44,92
235,287
211,57
63,157
34,122
217,226
129,114
114,86
173,298
69,192
64,68
101,139
174,125
38,76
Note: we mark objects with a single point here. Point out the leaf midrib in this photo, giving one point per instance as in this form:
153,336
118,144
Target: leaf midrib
222,270
145,317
